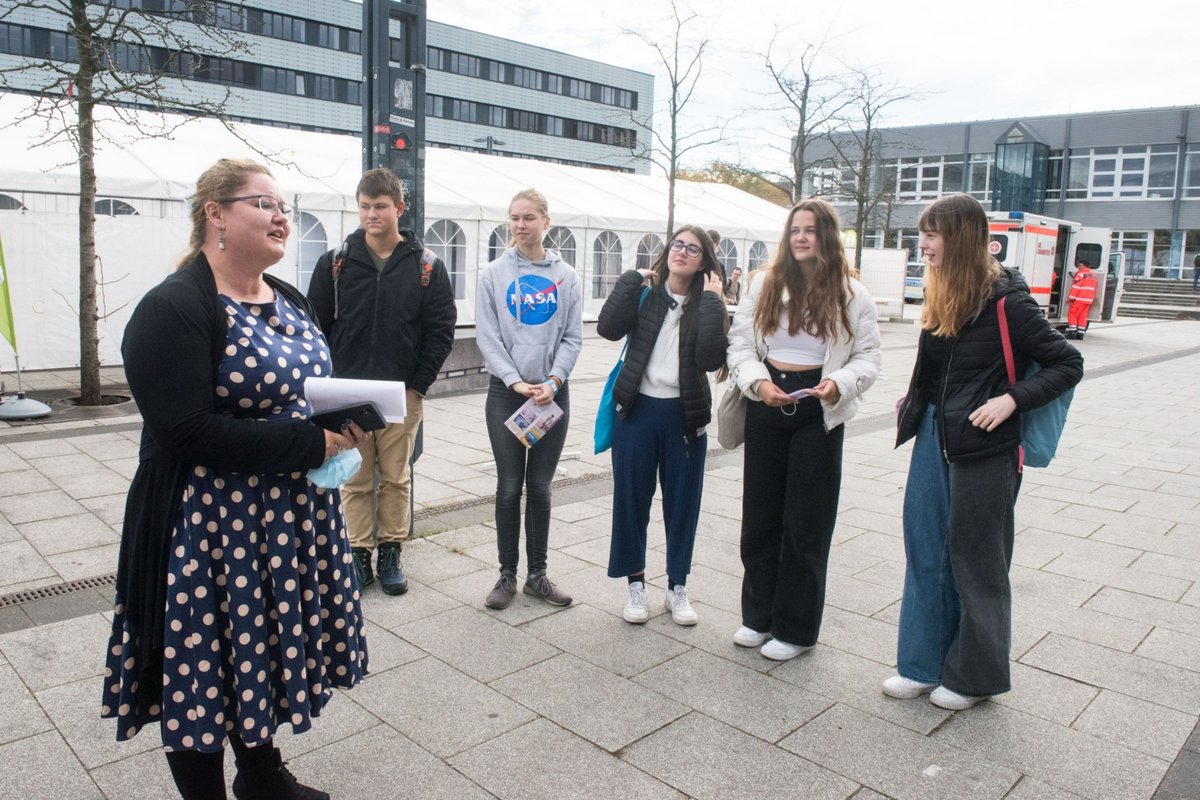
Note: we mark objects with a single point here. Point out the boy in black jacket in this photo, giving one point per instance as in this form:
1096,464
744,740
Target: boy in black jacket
386,306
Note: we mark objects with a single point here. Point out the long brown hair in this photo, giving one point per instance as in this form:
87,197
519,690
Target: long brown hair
223,179
690,320
959,287
817,303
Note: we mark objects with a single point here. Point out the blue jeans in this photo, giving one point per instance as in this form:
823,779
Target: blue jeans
648,447
956,611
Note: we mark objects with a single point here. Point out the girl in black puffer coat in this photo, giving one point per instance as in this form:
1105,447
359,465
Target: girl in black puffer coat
956,612
676,329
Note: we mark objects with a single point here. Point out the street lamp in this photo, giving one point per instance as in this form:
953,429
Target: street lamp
491,143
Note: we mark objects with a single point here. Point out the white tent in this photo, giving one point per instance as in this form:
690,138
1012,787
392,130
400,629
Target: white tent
466,198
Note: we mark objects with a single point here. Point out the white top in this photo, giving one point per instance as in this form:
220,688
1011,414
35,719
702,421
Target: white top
661,377
803,348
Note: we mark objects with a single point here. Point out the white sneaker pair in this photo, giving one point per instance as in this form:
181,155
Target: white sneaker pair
904,689
676,601
773,649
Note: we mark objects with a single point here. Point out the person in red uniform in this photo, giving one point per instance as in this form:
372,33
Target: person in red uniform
1083,293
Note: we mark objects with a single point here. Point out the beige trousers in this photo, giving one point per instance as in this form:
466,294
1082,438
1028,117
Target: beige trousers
389,450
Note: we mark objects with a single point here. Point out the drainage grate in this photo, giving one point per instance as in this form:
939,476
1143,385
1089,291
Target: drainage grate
58,590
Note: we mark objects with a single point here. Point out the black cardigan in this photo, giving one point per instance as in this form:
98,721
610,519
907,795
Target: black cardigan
173,345
699,352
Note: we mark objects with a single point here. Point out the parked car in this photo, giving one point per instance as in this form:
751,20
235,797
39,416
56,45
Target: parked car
914,282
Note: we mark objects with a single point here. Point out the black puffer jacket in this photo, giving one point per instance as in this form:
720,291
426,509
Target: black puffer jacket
699,353
395,325
974,372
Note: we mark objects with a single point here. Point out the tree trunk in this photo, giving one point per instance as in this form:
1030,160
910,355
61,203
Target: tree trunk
89,340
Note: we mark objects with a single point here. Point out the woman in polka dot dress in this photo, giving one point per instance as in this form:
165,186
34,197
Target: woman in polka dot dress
236,606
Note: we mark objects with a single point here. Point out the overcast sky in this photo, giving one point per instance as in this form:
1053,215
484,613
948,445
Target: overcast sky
967,60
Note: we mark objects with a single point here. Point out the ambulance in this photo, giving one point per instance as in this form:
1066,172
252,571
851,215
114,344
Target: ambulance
1045,251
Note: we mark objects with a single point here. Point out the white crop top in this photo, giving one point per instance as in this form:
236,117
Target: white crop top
803,348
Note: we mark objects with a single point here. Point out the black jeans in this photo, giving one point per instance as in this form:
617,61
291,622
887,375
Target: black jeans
792,476
517,468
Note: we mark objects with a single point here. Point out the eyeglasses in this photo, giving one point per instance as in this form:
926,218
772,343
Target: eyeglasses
687,247
264,202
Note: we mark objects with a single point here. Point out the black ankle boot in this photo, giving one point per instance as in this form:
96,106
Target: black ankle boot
264,776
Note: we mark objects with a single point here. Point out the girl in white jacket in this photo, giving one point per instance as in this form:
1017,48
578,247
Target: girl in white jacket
803,347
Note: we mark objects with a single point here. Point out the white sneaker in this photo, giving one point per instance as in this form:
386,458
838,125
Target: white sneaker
777,650
748,637
635,608
676,602
902,688
944,698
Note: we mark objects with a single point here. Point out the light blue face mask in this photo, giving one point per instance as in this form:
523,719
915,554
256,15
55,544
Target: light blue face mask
336,470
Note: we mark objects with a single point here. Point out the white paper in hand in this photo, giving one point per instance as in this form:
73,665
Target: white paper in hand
327,394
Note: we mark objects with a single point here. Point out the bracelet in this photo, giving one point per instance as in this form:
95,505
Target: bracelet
553,385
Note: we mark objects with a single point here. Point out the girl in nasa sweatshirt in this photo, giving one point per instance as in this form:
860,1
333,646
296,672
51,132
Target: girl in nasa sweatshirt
529,328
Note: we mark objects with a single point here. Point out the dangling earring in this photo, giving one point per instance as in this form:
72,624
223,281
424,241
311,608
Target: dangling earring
221,240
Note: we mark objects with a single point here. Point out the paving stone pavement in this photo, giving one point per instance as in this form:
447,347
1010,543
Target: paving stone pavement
541,702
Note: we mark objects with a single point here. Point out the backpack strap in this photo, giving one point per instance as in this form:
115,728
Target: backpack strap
335,270
1010,365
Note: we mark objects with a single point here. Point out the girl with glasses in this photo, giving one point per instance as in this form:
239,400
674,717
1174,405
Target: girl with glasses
803,348
675,319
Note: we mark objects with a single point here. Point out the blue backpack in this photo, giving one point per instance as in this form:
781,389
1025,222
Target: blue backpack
1041,427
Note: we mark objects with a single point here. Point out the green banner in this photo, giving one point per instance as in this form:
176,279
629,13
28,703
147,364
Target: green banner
7,327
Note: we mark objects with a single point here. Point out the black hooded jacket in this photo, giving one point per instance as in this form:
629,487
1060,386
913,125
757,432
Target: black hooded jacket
396,324
699,353
974,372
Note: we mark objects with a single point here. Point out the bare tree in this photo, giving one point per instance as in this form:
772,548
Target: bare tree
128,59
682,56
812,102
859,148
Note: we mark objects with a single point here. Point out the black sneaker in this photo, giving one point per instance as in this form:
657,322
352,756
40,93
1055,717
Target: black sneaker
362,566
391,575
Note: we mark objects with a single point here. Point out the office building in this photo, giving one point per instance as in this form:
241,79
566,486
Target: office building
300,66
1134,171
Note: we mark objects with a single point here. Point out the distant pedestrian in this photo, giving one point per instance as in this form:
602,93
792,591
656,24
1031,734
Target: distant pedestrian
237,611
1196,273
1083,294
956,610
529,326
733,287
803,348
675,321
387,307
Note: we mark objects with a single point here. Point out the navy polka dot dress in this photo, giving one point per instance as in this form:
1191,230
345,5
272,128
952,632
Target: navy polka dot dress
262,616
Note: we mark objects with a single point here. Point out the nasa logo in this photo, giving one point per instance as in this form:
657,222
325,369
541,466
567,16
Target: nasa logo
533,299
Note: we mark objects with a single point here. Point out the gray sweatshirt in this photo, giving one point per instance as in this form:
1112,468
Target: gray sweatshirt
529,317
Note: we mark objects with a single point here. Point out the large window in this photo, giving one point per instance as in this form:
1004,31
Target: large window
10,203
532,121
561,240
1132,172
313,245
112,207
497,242
727,255
979,176
606,264
1191,172
757,256
444,60
648,249
448,242
1134,245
